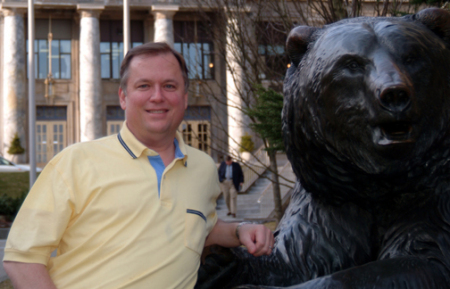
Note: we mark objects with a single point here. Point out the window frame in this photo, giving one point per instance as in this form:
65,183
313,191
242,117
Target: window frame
111,60
37,62
193,33
111,33
269,41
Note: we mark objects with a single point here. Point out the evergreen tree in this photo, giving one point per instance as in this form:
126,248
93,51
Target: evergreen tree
267,115
15,148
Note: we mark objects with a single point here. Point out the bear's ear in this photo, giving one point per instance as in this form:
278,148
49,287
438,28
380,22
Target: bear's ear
437,20
297,42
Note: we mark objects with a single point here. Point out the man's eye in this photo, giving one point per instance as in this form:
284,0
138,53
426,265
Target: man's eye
170,86
143,86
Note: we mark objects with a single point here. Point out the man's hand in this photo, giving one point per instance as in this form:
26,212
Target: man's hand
258,239
28,275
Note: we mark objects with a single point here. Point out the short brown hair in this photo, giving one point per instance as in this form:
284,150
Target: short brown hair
152,48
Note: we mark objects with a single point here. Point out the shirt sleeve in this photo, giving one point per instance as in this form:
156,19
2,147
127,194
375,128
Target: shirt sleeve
214,192
42,219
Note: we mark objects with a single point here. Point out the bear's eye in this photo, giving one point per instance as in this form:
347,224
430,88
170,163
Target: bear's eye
353,65
410,59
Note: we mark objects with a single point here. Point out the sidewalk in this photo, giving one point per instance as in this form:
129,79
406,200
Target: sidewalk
258,202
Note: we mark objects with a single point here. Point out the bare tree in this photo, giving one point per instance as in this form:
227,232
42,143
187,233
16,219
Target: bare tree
249,39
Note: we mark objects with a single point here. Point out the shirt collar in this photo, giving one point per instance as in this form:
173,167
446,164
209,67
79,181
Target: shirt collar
135,148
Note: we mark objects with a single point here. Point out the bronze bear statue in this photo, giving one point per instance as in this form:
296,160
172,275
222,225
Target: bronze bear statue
366,122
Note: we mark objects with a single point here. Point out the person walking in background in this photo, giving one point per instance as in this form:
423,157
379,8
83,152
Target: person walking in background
231,179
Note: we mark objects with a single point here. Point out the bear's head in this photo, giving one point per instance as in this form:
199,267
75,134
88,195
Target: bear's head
367,101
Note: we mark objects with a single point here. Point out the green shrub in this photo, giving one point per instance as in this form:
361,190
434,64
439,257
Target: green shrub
10,206
15,148
247,144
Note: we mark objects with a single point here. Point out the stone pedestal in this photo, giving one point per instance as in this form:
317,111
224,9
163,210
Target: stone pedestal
14,81
90,76
163,25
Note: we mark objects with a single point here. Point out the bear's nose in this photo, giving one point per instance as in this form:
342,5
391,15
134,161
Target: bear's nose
395,98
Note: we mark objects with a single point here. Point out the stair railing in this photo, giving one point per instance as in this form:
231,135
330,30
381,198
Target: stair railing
254,166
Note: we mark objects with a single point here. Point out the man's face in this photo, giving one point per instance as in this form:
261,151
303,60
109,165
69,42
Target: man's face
228,162
156,99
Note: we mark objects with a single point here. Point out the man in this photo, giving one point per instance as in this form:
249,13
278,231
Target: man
231,179
131,210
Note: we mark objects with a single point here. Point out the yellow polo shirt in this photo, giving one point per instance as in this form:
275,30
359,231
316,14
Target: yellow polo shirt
97,203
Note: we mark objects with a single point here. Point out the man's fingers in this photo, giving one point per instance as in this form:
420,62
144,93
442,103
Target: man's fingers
247,241
258,239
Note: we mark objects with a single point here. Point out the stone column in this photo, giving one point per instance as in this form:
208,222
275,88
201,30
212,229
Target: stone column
238,92
163,25
14,81
90,74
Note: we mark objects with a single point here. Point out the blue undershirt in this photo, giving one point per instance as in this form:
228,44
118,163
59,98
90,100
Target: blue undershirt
158,164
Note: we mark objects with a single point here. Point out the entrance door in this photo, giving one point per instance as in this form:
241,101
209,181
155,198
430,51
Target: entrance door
197,134
50,140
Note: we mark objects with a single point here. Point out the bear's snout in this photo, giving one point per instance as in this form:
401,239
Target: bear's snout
395,98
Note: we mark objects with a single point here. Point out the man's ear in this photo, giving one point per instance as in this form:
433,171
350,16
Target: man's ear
122,96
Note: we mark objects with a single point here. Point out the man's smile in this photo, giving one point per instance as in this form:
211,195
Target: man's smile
157,111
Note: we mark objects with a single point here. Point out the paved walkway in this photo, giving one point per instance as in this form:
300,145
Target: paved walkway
258,202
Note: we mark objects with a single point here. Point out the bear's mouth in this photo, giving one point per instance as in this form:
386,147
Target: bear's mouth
395,133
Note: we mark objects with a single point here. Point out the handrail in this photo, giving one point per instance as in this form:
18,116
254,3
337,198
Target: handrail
254,167
270,185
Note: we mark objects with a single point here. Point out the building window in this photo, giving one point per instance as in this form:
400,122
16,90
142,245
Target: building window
192,41
61,58
271,43
111,45
61,48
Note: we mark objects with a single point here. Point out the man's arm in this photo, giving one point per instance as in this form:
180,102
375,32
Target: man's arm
257,238
241,174
28,275
221,171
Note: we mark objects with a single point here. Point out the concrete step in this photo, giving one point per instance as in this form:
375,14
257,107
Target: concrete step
258,203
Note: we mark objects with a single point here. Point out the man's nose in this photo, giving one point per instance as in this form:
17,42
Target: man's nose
157,94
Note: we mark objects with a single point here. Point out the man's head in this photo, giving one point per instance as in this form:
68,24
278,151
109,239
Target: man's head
228,160
153,92
151,48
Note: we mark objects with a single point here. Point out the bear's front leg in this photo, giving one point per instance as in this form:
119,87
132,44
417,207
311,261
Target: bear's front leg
400,273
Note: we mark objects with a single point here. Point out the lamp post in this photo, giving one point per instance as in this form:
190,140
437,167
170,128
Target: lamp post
126,27
49,81
31,91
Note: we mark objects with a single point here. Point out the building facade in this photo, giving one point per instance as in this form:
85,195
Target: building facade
79,102
86,50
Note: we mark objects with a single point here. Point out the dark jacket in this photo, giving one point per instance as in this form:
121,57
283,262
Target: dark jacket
238,176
